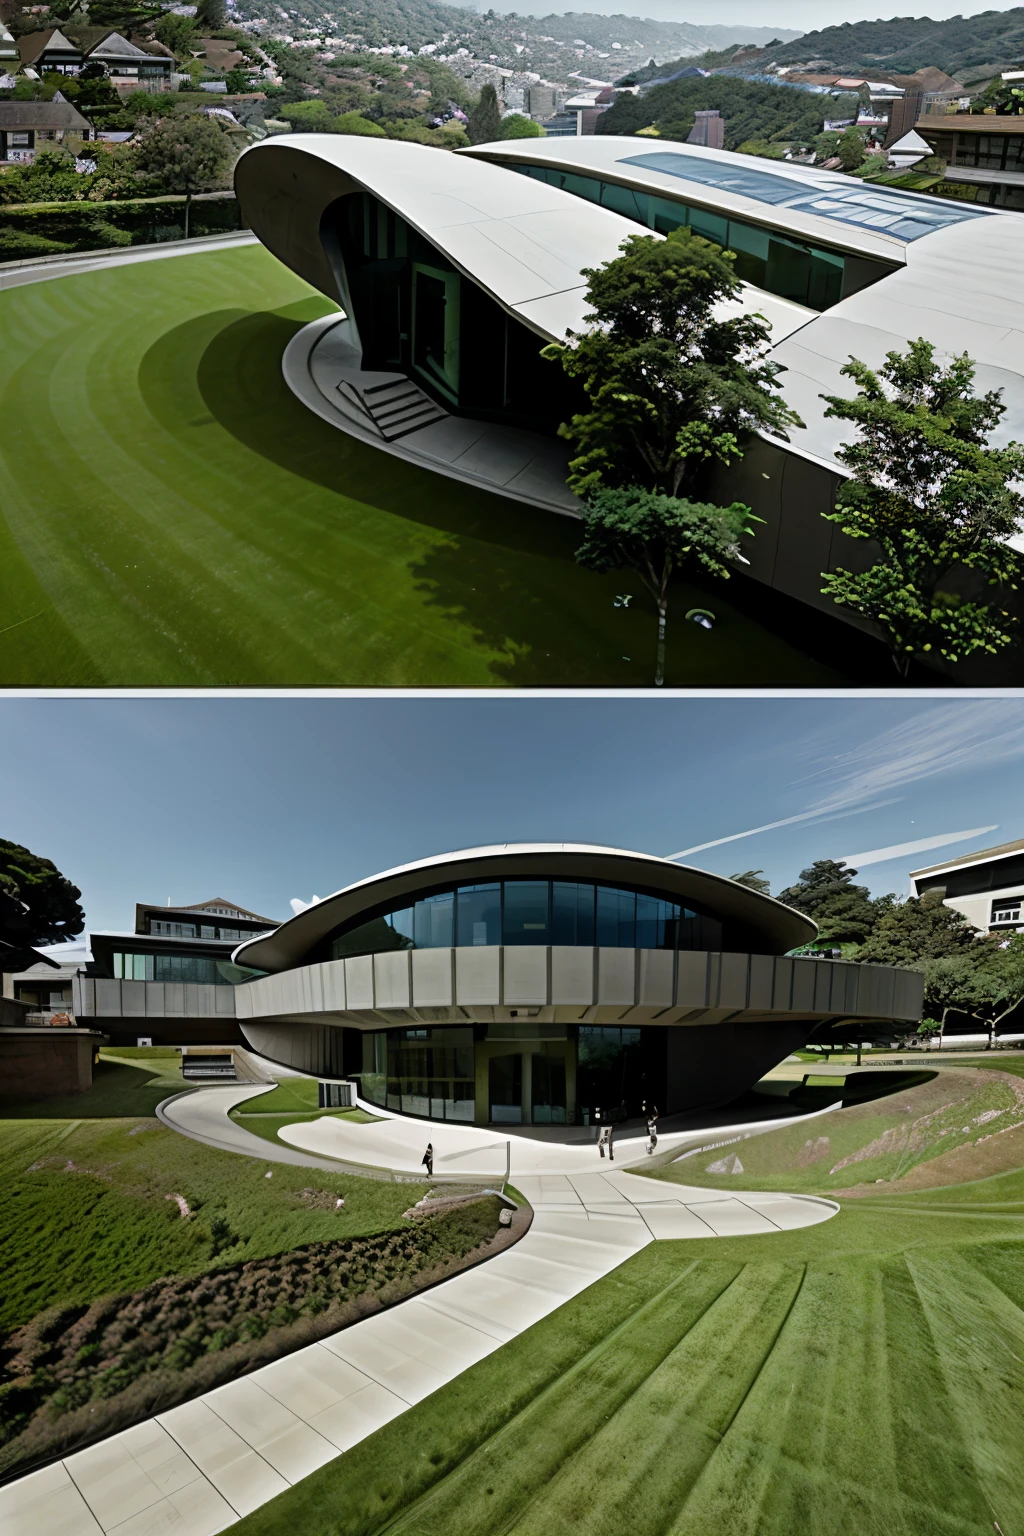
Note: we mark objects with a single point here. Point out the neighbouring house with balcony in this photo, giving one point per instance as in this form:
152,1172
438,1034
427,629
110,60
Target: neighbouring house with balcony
987,886
67,50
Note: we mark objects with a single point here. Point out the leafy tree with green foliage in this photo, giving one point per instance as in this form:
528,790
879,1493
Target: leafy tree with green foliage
188,154
485,119
673,388
41,906
848,147
210,15
1007,96
920,928
355,123
761,148
754,880
238,81
984,982
175,32
936,501
845,913
516,126
628,528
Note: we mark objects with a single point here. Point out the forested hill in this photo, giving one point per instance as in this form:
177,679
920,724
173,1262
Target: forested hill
963,46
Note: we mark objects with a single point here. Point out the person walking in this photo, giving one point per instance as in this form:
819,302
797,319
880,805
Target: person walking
604,1140
652,1131
428,1159
611,1143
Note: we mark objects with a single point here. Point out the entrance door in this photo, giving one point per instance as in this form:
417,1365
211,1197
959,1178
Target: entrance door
435,327
505,1077
548,1089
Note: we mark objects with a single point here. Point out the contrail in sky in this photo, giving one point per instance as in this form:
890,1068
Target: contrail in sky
787,821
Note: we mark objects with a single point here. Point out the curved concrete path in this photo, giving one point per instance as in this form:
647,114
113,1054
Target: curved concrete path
202,1115
37,270
195,1469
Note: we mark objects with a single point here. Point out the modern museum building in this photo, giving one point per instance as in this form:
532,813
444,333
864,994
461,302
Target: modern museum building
453,270
539,983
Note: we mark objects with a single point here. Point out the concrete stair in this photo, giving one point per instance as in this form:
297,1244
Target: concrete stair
395,408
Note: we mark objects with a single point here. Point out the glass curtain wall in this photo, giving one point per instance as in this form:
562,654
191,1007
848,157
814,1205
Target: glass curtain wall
201,969
424,1072
533,912
416,314
791,268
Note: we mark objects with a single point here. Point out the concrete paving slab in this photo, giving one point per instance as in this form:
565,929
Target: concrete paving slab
348,1422
47,1502
281,1438
196,1510
239,1474
788,1212
675,1221
731,1218
118,1484
382,1361
311,1380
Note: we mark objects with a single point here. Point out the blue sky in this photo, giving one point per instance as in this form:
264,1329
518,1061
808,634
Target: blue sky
265,800
795,15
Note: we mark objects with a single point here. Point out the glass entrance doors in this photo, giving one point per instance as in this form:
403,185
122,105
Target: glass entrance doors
505,1089
547,1075
435,327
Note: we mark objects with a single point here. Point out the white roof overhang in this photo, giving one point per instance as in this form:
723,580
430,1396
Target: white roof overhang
525,243
779,927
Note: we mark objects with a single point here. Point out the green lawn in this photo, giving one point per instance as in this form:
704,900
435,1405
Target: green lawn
859,1378
85,1208
171,515
947,1121
290,1103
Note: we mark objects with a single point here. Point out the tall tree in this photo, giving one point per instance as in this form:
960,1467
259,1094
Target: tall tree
653,535
845,913
921,928
188,154
41,906
673,387
485,119
938,503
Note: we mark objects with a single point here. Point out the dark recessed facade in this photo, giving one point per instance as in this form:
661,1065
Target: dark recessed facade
539,983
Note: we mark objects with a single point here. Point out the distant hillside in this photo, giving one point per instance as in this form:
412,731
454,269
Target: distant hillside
751,111
962,46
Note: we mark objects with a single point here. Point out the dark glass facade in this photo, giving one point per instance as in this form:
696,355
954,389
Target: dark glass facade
203,969
544,912
564,1079
790,267
416,314
426,1072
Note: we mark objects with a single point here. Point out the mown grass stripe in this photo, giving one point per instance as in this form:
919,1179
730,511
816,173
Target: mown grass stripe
493,1488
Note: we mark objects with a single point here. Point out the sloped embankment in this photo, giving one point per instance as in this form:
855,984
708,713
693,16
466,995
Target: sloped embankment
963,1124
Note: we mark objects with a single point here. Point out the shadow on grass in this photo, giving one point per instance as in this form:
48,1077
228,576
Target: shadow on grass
117,1092
547,621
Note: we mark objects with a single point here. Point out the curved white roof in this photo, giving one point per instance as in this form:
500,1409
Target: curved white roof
287,945
956,283
522,241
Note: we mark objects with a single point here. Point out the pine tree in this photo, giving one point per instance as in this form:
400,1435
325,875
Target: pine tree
485,119
845,913
918,929
754,879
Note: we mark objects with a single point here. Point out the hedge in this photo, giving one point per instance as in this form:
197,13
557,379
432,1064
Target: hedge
51,229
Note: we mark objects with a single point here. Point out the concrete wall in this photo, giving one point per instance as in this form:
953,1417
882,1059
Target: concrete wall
574,985
42,1063
168,1013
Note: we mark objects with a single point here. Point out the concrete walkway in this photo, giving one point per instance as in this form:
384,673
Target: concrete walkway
40,269
195,1469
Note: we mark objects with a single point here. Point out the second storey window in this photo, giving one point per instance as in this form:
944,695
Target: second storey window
1006,910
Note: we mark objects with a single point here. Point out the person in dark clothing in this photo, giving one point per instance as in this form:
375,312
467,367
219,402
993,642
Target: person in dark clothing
428,1159
652,1129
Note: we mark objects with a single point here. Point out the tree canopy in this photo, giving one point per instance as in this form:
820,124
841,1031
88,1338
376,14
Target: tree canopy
673,387
189,154
938,502
485,119
754,878
845,913
918,929
516,126
30,881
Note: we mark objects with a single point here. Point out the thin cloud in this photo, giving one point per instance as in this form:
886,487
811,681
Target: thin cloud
922,844
787,821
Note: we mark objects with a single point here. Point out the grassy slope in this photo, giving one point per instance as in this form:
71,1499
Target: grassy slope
961,1125
290,1103
859,1378
106,1224
170,514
